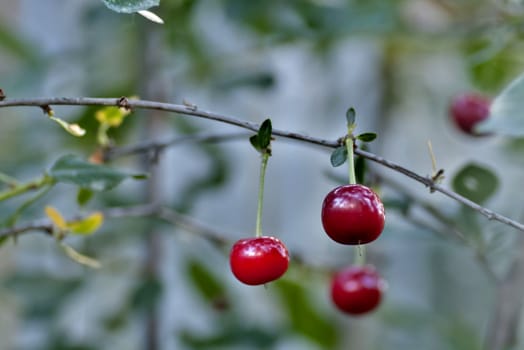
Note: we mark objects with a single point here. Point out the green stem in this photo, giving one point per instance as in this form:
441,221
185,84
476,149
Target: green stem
360,255
263,166
26,187
351,159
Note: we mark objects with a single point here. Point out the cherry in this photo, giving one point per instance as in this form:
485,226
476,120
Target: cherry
468,110
258,260
353,214
357,290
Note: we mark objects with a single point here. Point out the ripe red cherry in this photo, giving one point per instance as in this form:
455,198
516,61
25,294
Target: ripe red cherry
353,214
258,260
357,290
468,110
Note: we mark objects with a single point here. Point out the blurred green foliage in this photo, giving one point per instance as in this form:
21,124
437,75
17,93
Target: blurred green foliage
112,50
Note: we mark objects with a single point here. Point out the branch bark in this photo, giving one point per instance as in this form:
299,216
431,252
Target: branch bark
192,110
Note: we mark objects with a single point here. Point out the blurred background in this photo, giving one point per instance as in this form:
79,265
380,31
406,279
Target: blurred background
302,63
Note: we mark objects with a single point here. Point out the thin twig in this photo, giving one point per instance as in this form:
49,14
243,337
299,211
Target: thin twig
195,111
148,210
448,227
156,146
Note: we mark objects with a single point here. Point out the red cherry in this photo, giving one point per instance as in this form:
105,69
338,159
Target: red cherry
258,260
357,290
353,214
468,110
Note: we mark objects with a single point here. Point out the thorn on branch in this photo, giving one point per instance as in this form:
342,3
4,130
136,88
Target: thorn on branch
436,178
2,95
123,102
191,106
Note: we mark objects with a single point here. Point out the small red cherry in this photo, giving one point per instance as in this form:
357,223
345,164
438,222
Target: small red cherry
357,290
468,110
353,214
258,260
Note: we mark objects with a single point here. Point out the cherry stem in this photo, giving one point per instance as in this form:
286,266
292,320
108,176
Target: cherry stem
360,255
351,159
263,166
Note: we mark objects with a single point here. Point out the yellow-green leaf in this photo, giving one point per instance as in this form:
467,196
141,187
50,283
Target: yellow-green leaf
57,218
112,116
87,225
80,258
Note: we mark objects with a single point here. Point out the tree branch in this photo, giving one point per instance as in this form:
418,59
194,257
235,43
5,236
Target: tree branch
147,210
503,327
194,111
157,146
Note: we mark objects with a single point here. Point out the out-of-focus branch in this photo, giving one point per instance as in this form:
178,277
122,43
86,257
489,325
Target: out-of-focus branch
165,214
17,189
156,146
192,110
503,327
447,227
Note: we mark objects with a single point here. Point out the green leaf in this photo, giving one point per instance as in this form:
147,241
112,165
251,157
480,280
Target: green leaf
255,142
367,136
402,204
209,287
130,6
506,112
83,196
339,156
264,134
304,318
112,116
232,335
75,170
147,294
475,182
351,117
360,169
87,225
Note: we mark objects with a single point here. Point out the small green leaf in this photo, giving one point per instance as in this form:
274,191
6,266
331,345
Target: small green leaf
111,116
304,316
255,142
139,176
147,294
209,287
350,117
506,112
264,134
75,170
360,169
83,196
130,6
87,225
475,182
339,156
367,136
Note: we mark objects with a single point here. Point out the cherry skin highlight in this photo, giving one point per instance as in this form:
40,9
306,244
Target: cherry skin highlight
357,290
259,260
353,214
468,110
